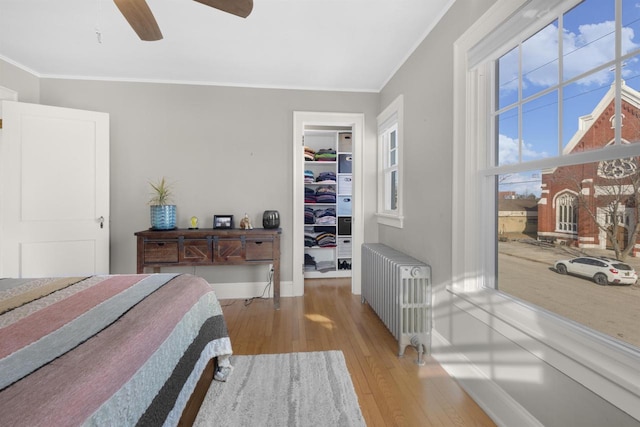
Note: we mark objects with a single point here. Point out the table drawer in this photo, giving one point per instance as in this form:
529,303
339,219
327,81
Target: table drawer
196,251
258,250
228,251
160,251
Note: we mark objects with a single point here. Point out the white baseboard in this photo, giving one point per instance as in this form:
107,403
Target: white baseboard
492,398
249,290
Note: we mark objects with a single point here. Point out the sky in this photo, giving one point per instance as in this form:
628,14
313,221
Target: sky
588,42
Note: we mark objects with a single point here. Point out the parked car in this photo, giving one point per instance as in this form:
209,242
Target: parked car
602,270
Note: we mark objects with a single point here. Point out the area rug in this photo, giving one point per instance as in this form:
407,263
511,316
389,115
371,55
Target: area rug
295,389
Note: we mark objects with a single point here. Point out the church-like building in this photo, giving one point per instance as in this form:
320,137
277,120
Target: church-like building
574,197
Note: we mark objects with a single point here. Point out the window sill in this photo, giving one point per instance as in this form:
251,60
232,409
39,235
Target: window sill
607,367
390,220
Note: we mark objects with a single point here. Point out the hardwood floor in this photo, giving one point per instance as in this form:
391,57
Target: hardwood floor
392,391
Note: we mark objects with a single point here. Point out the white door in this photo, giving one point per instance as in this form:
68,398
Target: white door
301,120
54,191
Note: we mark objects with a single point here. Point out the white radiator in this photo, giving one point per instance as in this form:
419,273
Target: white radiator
398,289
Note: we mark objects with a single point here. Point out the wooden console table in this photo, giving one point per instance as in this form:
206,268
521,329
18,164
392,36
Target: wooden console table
208,246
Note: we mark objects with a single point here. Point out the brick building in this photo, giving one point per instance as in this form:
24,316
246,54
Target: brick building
574,197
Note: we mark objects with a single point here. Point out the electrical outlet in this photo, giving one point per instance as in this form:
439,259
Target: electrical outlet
271,268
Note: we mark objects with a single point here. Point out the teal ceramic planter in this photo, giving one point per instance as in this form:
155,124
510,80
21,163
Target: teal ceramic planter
163,217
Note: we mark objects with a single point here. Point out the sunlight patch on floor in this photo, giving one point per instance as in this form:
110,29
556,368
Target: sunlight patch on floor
322,320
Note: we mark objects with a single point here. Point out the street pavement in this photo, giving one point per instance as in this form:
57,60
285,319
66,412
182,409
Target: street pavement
611,310
548,253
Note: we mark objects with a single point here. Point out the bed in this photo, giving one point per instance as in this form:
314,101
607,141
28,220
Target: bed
108,350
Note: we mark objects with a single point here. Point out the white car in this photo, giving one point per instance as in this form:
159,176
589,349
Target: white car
603,271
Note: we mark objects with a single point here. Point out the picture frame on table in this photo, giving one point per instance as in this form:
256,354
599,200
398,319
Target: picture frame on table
223,221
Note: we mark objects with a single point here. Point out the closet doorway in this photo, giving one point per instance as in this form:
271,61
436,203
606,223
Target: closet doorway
328,225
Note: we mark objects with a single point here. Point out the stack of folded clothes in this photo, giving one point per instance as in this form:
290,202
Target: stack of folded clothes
326,240
323,239
309,195
310,240
309,215
323,216
320,216
323,266
325,194
308,177
309,262
325,155
326,178
309,154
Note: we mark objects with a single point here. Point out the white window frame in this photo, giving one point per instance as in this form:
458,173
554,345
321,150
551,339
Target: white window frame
605,366
390,119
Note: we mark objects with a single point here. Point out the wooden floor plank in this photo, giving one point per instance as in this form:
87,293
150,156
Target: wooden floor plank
392,390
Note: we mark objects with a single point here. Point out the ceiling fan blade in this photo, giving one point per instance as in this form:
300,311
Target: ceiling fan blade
141,19
241,8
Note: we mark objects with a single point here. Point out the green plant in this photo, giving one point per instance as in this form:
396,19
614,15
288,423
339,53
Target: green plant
161,194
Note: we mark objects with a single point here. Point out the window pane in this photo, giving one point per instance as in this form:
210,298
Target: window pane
508,79
630,119
392,158
586,209
579,103
392,140
508,140
540,127
520,186
588,36
391,204
540,61
631,26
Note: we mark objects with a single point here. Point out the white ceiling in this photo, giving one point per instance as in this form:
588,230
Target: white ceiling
304,44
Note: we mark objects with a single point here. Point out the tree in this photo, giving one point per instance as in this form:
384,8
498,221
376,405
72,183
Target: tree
608,194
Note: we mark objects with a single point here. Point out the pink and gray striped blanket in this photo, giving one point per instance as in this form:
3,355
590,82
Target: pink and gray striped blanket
105,350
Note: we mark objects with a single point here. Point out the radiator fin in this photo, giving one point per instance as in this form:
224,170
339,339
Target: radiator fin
398,289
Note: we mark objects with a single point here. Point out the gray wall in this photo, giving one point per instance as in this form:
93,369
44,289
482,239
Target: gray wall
26,84
228,151
426,80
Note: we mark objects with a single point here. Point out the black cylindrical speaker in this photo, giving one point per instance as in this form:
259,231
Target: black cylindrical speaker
271,219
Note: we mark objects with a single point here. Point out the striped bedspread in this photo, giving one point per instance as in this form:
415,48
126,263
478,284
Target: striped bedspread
105,350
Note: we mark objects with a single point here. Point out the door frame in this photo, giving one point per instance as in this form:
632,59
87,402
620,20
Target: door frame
356,122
